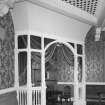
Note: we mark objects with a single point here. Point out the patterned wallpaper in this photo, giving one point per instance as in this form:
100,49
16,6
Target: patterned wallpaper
7,52
65,72
94,58
94,62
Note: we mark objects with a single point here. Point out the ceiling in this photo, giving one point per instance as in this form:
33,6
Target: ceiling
85,5
88,11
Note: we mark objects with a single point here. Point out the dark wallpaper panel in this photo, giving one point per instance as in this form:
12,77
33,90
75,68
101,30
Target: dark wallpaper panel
94,51
7,52
95,62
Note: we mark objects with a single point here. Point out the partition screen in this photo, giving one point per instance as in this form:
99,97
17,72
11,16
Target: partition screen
50,71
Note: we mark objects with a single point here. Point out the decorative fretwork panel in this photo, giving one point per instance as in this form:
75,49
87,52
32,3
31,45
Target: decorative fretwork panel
89,6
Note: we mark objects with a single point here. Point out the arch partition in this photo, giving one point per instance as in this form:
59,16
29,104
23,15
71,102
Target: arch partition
49,71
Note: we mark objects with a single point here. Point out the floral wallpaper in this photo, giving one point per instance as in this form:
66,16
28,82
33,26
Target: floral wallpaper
65,73
94,58
7,52
94,63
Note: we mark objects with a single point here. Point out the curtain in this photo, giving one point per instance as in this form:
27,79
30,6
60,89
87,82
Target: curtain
68,55
50,52
58,50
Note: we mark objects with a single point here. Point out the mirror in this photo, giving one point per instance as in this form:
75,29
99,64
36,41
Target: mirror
79,49
35,42
80,71
36,68
22,68
47,41
22,42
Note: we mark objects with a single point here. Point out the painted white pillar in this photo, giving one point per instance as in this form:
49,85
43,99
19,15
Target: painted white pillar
16,67
76,85
43,92
84,79
16,63
29,84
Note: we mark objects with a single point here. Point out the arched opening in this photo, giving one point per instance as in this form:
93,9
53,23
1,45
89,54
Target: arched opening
59,73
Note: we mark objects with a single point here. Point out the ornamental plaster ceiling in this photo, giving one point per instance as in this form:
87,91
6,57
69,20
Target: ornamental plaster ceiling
88,11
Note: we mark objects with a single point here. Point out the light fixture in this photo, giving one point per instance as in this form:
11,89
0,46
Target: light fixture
98,32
